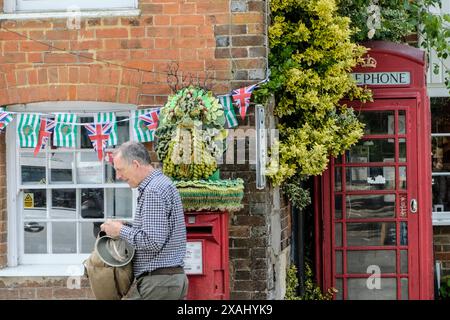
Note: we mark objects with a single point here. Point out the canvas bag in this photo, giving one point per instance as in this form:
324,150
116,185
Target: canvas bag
107,282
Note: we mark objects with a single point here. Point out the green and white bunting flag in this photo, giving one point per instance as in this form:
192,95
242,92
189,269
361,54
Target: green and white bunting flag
110,117
5,119
28,130
228,109
65,131
145,124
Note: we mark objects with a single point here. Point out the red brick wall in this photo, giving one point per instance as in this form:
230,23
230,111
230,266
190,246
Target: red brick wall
222,38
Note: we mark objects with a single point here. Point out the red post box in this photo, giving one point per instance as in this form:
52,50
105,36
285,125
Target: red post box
206,261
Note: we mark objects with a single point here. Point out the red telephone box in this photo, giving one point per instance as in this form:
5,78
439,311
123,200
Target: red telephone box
373,204
206,262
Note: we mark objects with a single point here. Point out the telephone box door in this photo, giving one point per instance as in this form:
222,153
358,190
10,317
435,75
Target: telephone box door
375,207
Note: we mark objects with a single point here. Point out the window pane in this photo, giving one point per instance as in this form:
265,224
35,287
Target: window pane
403,233
359,261
440,148
338,206
370,178
61,165
35,237
338,234
84,137
89,169
123,130
370,206
32,168
404,286
371,234
402,173
402,150
338,179
64,237
377,122
63,204
119,203
401,122
340,290
92,203
338,262
439,107
441,193
404,261
360,289
375,150
35,204
89,232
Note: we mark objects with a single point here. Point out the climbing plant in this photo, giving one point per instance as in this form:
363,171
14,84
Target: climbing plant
399,19
311,56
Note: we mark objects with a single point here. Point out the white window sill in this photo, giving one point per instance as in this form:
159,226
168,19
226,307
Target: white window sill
67,14
54,270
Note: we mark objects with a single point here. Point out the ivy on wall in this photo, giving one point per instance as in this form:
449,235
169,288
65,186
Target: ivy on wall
311,56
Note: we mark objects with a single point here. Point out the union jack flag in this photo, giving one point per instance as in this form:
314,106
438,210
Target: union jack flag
99,134
150,119
5,118
46,129
242,97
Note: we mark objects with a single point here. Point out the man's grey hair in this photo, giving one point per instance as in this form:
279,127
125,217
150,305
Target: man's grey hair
131,150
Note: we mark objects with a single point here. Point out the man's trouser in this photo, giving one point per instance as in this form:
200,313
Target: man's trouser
161,284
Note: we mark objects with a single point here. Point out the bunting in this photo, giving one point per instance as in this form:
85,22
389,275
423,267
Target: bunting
242,97
228,108
46,128
145,124
99,135
65,131
110,117
5,119
28,130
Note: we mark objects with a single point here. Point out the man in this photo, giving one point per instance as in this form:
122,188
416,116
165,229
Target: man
158,232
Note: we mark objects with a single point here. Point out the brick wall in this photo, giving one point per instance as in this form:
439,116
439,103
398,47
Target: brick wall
222,38
441,241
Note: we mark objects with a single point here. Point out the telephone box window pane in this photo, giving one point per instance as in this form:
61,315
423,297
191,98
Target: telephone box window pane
64,237
441,193
338,160
359,261
32,168
89,169
404,261
371,234
403,233
340,290
35,237
404,286
402,150
92,203
63,204
375,150
337,179
440,107
89,232
61,168
401,128
370,206
358,289
338,262
338,206
402,172
370,178
440,148
377,122
35,204
119,203
338,234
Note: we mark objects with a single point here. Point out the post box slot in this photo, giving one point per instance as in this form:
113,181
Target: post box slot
199,229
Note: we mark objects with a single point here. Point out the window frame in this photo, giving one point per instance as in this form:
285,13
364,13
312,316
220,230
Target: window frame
22,6
15,235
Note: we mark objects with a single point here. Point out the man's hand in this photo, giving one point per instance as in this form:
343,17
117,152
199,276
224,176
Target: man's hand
112,227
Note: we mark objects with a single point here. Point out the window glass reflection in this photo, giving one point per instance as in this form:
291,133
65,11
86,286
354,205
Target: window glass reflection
374,150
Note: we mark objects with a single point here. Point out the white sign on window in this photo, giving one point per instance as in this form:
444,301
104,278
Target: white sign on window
193,262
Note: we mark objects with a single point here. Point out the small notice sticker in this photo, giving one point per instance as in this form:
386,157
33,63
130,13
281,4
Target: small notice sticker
28,200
